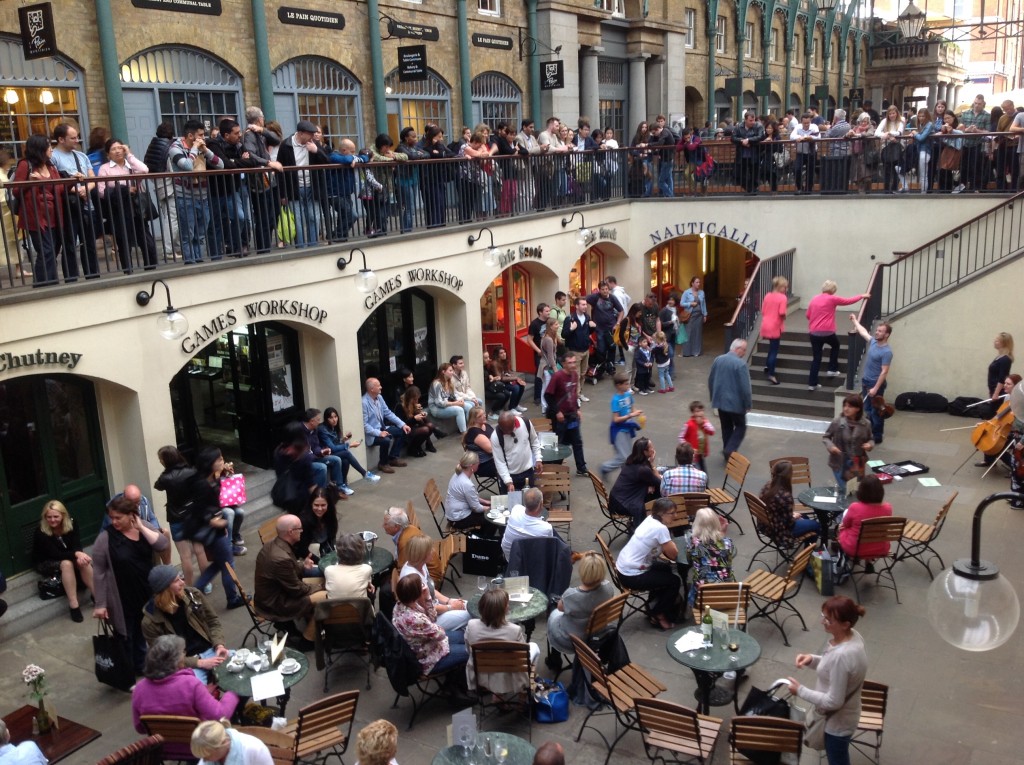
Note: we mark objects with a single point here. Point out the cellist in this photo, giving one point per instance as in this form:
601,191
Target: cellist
1000,392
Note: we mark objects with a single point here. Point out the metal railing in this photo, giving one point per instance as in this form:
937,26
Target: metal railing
748,307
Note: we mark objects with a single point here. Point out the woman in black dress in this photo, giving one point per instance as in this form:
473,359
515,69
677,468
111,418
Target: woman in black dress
638,483
57,551
477,438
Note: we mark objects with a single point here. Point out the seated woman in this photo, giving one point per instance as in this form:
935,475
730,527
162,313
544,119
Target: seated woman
319,525
710,554
442,401
516,386
215,744
497,393
377,744
169,688
415,620
577,603
785,525
477,439
494,625
339,443
177,609
639,482
450,613
870,504
57,551
411,411
350,576
641,568
462,504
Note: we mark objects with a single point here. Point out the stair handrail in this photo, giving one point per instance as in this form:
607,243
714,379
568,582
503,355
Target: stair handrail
759,284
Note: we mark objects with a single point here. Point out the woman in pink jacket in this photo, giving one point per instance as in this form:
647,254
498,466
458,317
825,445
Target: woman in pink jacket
870,504
773,323
821,324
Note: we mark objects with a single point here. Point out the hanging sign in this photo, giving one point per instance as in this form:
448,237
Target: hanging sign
38,37
307,17
204,7
412,63
492,41
412,31
552,75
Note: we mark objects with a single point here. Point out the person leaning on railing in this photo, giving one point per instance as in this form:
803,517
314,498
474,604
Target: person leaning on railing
40,212
949,157
890,130
861,172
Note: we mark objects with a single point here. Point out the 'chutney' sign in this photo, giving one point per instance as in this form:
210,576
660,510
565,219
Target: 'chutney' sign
305,17
696,228
10,362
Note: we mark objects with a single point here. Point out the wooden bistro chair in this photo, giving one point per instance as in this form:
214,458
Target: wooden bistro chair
324,728
619,524
556,483
261,625
432,494
783,552
874,530
603,622
343,626
176,730
727,498
771,593
764,734
268,529
918,539
679,520
618,691
145,751
731,598
541,425
447,548
874,698
509,659
636,600
801,472
676,734
280,745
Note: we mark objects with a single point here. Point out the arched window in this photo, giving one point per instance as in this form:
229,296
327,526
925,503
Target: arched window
38,95
749,102
318,89
496,98
795,103
774,104
723,105
414,104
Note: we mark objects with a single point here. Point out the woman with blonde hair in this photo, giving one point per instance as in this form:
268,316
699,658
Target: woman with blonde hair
442,401
773,323
215,743
463,506
577,603
891,130
450,613
708,551
57,552
377,744
821,324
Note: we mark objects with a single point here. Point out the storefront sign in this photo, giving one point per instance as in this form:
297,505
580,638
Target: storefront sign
38,36
379,295
435,276
205,7
695,228
510,256
11,361
308,311
412,31
607,233
552,75
412,63
216,327
310,18
492,41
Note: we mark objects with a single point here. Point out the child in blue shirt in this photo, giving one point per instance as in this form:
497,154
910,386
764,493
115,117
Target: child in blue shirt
623,426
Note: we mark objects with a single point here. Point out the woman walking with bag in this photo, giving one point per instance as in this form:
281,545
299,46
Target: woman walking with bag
841,670
208,525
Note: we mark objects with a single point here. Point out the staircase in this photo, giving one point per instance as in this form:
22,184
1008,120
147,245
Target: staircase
791,396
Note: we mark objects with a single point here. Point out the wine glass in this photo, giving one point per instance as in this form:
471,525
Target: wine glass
465,739
481,583
500,750
513,572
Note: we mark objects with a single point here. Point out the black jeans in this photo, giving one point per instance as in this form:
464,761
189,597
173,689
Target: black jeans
663,584
818,343
734,428
570,436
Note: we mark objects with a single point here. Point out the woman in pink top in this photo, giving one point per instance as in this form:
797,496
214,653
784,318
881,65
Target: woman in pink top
773,323
821,323
869,504
126,203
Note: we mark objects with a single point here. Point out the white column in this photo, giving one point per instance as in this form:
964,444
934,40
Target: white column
956,96
588,85
637,92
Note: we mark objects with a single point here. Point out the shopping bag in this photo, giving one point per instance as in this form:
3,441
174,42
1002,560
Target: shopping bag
113,662
232,490
483,557
824,572
550,702
765,704
682,336
286,225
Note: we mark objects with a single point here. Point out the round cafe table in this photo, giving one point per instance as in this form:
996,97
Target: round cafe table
707,670
239,682
380,560
826,505
520,752
556,453
518,613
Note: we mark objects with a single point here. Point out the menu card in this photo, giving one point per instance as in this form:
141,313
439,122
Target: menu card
267,685
277,648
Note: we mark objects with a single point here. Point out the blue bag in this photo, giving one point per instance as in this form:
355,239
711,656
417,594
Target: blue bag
550,702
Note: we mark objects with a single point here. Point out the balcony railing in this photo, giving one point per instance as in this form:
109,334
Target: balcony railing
67,230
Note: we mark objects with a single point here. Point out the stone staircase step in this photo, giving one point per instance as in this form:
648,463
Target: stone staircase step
811,407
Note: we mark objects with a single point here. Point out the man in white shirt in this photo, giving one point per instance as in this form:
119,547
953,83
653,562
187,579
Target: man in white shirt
516,449
27,753
544,169
804,137
525,521
79,226
460,380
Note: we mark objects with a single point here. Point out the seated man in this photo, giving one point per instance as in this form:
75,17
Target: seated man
398,526
144,509
281,594
324,462
685,477
460,380
516,450
27,753
383,428
526,521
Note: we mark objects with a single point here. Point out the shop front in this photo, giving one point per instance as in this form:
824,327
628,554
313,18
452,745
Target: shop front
723,265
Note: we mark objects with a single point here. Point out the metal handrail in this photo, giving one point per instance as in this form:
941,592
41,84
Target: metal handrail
748,306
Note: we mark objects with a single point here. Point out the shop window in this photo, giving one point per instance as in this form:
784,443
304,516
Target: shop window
774,45
323,91
414,104
37,95
179,106
496,98
492,307
613,115
399,334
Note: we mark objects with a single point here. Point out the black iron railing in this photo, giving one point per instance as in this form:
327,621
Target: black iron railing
748,307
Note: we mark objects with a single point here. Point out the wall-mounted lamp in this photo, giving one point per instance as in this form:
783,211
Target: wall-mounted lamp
492,254
46,97
584,237
11,96
171,323
366,280
971,605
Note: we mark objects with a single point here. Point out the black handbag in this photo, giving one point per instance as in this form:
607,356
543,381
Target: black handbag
144,206
50,587
764,704
113,662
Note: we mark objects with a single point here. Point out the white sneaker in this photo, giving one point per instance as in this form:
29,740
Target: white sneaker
960,187
833,374
346,490
584,398
521,409
813,387
371,477
730,675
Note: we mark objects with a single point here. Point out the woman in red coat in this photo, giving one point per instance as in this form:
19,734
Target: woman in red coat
40,212
773,323
869,504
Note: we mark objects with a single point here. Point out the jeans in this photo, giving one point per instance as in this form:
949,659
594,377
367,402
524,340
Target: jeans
516,392
46,243
231,214
773,355
264,217
837,749
734,428
877,422
219,553
623,444
307,218
666,186
234,516
664,377
818,343
802,526
569,435
391,446
803,172
342,206
348,459
204,674
449,412
407,204
192,205
323,466
458,654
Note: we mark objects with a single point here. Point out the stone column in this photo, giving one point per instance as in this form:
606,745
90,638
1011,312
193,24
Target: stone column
956,96
637,92
940,93
588,84
933,90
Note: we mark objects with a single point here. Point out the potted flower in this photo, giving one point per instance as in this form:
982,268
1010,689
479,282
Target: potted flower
35,678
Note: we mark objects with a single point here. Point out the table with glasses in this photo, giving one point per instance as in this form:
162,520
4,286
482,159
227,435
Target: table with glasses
239,682
518,612
708,664
555,453
826,505
519,751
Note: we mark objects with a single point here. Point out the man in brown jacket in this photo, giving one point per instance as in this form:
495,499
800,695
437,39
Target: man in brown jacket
282,595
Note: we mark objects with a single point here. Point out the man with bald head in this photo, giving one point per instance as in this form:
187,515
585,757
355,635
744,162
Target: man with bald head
550,753
144,509
281,594
516,449
383,428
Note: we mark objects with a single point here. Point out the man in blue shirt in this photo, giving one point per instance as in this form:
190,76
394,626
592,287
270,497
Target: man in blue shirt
876,370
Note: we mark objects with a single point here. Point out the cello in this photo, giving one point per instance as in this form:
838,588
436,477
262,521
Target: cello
990,437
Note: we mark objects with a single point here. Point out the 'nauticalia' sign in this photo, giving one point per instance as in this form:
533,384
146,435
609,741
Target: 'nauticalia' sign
696,228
